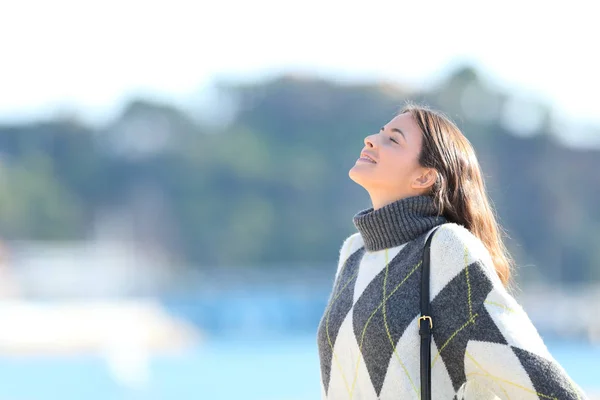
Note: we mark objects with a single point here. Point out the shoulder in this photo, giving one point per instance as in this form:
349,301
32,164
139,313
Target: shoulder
349,246
454,250
457,241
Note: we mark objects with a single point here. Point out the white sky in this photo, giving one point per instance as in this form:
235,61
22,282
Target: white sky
90,56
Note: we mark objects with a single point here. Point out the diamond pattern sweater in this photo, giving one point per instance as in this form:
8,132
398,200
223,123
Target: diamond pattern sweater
484,345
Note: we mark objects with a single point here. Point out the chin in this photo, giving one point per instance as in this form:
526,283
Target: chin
357,175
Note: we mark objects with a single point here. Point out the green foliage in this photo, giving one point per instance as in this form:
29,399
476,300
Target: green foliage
272,187
35,204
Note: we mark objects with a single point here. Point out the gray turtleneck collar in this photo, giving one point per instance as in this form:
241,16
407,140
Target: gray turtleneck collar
397,223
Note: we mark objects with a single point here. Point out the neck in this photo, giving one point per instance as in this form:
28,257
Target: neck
380,200
397,222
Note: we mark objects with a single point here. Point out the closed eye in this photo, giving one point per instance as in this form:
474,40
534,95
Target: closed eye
394,140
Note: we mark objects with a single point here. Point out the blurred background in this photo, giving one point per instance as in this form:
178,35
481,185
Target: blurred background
174,188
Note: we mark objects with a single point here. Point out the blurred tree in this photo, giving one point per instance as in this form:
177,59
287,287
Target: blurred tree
271,187
34,204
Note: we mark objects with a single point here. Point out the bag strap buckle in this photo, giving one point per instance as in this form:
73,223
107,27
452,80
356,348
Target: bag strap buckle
426,317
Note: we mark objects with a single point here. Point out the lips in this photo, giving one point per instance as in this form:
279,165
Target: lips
367,157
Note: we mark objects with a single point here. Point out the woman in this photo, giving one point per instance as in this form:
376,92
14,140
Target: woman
421,173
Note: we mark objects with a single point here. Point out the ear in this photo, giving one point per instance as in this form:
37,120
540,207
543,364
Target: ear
426,179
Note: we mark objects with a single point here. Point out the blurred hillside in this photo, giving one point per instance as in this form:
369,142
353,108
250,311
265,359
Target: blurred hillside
270,187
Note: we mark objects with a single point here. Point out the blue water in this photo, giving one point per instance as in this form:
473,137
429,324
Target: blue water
277,369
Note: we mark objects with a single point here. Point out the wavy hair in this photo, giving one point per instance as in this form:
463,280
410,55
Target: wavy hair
459,191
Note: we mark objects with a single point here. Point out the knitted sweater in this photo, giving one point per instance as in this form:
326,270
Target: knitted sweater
484,345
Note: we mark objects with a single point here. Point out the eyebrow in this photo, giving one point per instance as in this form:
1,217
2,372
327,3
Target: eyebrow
397,131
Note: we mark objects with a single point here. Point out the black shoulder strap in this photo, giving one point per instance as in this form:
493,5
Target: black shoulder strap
426,323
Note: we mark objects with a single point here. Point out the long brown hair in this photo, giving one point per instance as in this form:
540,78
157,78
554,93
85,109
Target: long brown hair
459,191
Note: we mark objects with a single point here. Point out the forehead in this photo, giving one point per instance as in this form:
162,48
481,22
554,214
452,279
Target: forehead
406,123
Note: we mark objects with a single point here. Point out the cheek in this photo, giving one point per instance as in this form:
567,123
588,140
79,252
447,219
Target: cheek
398,163
399,166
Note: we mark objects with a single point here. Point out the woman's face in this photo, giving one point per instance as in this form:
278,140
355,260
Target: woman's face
388,165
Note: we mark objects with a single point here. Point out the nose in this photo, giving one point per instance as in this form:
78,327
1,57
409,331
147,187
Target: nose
369,142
